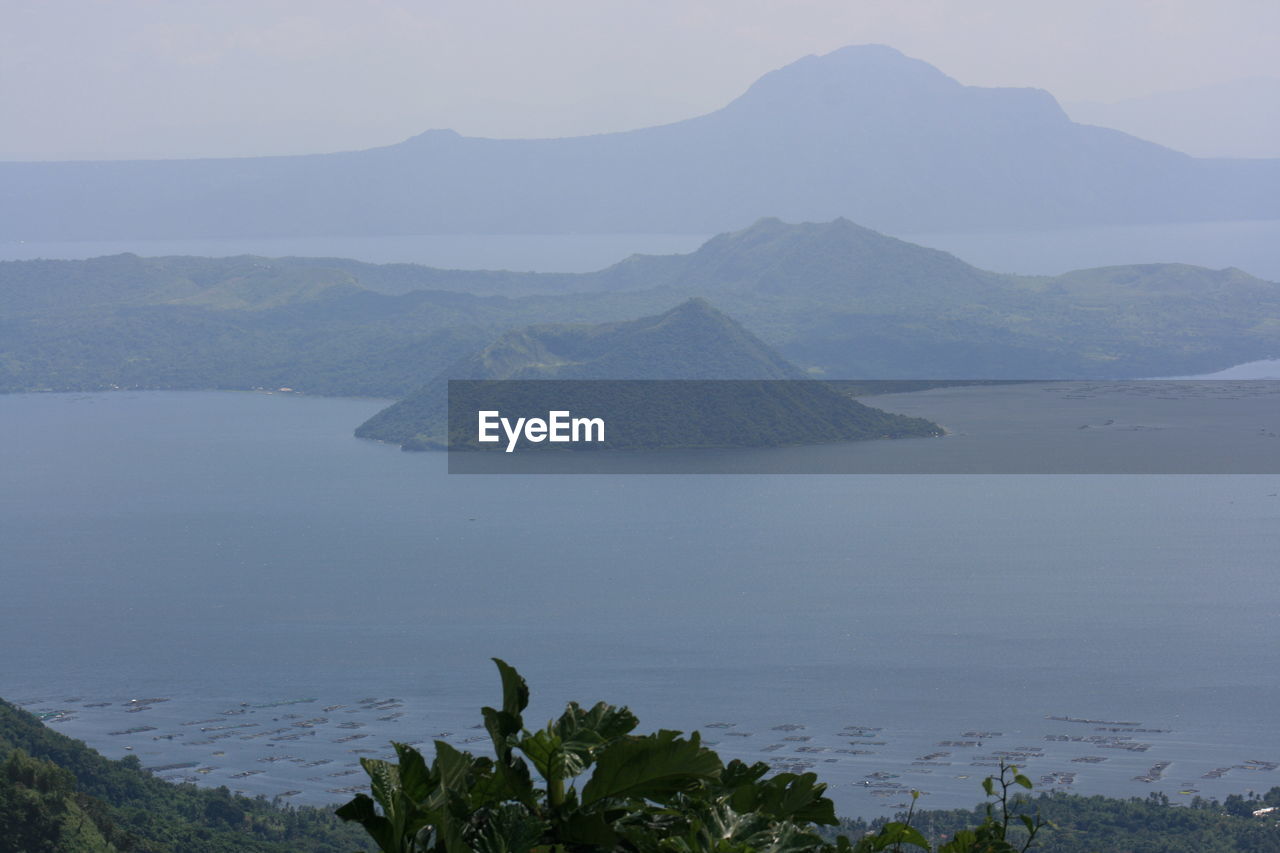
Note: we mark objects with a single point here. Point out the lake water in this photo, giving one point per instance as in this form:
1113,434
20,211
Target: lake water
230,550
1253,246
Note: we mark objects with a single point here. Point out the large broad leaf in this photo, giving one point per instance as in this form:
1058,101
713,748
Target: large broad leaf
786,837
893,835
567,746
515,692
588,829
719,823
651,767
738,773
406,812
452,769
716,826
551,758
787,796
503,729
384,778
415,779
606,722
491,786
449,804
361,810
508,828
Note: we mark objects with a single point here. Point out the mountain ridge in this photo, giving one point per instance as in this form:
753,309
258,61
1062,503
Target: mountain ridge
838,299
863,132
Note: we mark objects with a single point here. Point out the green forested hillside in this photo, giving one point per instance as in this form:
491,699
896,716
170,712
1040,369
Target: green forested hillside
691,341
59,796
838,300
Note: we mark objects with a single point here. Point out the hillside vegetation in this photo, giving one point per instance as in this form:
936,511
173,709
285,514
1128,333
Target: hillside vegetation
59,796
835,299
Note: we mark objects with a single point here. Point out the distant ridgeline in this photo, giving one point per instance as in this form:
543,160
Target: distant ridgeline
839,300
747,396
863,132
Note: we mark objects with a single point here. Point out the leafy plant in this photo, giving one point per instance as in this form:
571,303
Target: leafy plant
656,793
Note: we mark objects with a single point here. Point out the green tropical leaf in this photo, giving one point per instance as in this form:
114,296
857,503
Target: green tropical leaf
491,785
509,828
502,728
790,797
549,756
384,779
452,765
361,810
785,837
590,829
415,777
895,834
604,721
737,773
651,767
515,692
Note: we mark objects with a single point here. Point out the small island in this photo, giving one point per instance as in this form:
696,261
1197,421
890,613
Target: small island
688,378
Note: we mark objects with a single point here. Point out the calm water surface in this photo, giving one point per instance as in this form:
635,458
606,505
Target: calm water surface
215,549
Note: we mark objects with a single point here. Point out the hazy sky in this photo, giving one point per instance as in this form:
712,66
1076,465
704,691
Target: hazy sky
148,78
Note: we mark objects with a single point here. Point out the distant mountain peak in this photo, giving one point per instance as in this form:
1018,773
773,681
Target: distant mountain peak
873,85
839,236
692,341
872,63
864,132
433,137
695,306
846,76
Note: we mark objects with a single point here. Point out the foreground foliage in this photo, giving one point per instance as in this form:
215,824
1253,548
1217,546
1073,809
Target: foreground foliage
58,795
655,792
